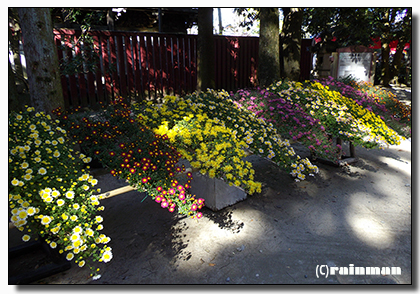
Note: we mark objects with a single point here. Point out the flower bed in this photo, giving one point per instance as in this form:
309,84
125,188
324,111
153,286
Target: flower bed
398,114
132,152
342,117
378,133
211,132
51,193
289,119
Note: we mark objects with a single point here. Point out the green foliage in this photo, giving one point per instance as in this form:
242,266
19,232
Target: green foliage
350,26
85,61
248,15
84,54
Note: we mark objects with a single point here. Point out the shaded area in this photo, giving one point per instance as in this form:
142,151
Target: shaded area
359,214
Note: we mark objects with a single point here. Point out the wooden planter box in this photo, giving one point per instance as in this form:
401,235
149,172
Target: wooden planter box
344,159
216,193
31,254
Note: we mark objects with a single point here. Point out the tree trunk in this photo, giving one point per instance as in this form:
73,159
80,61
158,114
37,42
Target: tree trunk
388,19
268,55
41,59
219,13
14,38
14,104
205,50
291,42
385,63
396,62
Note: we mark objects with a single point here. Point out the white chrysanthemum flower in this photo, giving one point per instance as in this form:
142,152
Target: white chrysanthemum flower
69,256
60,202
69,194
107,256
77,230
31,210
46,220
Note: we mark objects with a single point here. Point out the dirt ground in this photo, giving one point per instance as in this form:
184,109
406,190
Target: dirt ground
358,214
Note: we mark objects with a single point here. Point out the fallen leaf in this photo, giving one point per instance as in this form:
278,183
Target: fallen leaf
212,264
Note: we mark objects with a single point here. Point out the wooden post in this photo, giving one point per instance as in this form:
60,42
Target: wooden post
116,192
340,142
352,150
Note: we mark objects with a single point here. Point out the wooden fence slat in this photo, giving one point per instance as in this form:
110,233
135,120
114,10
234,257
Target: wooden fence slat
98,73
241,78
149,60
161,72
91,90
121,65
106,66
168,66
72,78
144,65
136,68
193,62
130,64
243,73
156,65
183,66
116,87
81,76
217,63
152,68
172,65
188,66
178,62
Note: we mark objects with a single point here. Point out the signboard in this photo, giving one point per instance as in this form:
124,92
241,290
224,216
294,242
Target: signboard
355,64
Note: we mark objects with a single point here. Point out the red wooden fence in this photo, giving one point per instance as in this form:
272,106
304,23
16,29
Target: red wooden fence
151,65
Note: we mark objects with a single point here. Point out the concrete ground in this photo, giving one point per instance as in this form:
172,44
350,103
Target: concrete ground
359,214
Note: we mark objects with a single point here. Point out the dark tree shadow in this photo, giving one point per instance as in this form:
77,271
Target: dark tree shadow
223,218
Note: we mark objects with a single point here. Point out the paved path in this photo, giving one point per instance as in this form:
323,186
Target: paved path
359,215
